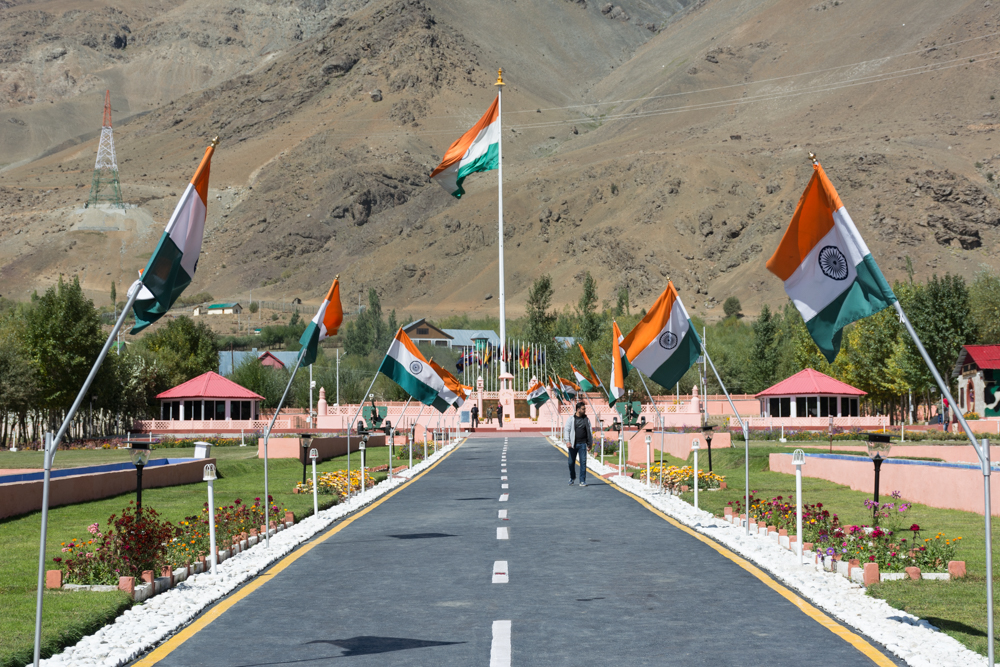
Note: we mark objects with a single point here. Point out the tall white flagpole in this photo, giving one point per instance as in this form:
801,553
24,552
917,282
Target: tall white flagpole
503,319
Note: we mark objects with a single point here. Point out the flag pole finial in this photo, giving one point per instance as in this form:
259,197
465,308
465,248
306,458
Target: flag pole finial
500,78
215,140
815,160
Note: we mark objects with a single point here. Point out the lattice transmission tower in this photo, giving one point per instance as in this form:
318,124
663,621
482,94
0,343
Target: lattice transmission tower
105,186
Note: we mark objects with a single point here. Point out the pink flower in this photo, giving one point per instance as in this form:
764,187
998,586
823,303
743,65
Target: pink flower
93,528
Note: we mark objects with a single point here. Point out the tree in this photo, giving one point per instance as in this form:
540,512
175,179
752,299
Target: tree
294,319
368,331
586,310
114,295
621,308
254,307
867,353
183,350
940,314
62,335
541,321
266,381
763,362
731,307
984,306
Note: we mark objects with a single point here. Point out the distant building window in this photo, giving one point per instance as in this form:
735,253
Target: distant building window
441,343
786,407
423,331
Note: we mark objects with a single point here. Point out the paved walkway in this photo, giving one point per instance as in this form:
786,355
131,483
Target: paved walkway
592,578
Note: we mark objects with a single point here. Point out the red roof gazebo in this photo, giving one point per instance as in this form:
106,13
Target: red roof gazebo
810,393
209,397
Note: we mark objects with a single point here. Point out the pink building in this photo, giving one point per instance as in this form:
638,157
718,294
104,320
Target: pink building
813,400
209,397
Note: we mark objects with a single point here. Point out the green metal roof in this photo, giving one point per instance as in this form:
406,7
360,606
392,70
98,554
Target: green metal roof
222,305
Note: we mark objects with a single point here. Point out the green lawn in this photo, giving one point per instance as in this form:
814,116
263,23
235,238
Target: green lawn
957,607
69,616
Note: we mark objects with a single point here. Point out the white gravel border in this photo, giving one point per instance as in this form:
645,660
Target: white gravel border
147,624
906,636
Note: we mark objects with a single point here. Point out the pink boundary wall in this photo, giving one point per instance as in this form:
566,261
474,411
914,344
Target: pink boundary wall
675,444
937,486
23,497
288,448
950,453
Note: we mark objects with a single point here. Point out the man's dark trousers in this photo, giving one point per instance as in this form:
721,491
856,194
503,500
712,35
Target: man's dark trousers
579,451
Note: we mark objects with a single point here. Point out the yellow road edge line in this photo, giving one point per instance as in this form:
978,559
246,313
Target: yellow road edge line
804,606
172,644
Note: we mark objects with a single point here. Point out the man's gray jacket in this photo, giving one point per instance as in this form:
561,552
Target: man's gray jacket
569,432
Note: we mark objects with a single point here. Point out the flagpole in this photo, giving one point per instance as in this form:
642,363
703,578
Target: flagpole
503,321
267,436
746,437
52,444
983,452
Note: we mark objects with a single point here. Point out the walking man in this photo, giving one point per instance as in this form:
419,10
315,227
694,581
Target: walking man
474,413
499,415
579,436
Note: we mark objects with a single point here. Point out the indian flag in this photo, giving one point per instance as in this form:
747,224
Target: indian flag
592,380
619,365
454,393
568,388
326,323
476,150
172,265
537,395
664,345
554,387
828,270
405,366
582,380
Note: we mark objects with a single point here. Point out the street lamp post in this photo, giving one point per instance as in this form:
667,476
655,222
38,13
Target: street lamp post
313,455
361,448
695,446
304,441
798,459
210,476
878,444
649,440
140,456
706,431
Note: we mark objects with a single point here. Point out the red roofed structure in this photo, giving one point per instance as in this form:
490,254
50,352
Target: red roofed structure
978,371
209,397
810,393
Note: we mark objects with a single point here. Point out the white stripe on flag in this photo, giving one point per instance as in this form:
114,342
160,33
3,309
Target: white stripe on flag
187,228
659,349
809,287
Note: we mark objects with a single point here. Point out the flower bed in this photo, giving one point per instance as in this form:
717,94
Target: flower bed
138,541
890,544
336,483
673,477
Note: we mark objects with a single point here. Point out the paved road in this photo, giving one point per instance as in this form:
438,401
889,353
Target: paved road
594,579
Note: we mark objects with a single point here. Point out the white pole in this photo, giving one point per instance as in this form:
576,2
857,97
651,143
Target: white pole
695,446
211,526
798,457
503,321
649,440
315,489
361,450
311,385
392,441
48,456
338,377
242,438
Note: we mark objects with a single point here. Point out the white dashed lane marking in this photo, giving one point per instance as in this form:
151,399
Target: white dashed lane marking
504,478
500,574
505,486
502,533
502,515
500,649
503,497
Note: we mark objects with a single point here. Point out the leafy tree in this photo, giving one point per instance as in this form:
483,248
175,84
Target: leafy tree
254,307
762,371
621,308
541,321
183,349
586,310
867,354
294,319
984,306
266,381
114,295
368,331
731,307
940,314
63,337
805,353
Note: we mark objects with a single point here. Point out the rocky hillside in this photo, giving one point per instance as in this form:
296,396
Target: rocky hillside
642,140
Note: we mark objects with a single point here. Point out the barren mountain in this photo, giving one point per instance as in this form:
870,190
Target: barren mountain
642,140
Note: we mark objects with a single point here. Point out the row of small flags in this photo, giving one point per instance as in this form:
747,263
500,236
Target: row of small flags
522,355
826,267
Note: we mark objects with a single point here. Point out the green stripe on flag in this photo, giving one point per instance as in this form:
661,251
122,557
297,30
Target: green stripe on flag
867,295
310,343
410,384
165,278
485,162
441,405
539,400
678,363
